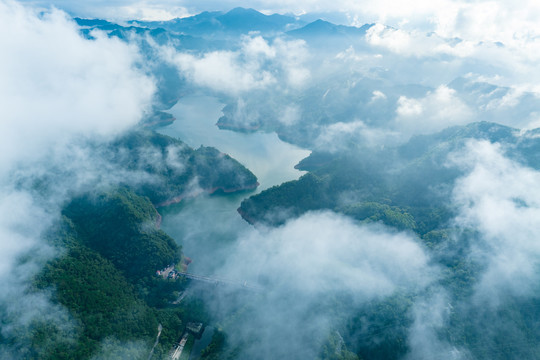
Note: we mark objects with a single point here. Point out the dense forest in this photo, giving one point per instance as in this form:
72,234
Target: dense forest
174,169
409,232
106,279
409,188
110,248
406,187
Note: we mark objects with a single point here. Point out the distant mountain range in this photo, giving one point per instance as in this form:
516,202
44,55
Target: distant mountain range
321,28
237,21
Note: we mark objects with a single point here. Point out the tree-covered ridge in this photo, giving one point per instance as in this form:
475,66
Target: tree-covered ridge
176,170
110,247
121,226
106,279
407,186
100,300
351,188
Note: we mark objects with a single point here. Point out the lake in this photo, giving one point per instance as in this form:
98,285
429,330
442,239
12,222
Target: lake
208,226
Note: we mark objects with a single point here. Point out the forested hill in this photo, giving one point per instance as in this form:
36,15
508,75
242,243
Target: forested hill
166,170
110,247
410,188
407,186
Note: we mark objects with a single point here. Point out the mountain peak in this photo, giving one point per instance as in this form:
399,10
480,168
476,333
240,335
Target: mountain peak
242,19
243,11
319,30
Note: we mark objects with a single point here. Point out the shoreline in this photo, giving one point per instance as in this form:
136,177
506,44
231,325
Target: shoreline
179,198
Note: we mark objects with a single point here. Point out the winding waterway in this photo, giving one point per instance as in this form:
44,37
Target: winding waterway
208,226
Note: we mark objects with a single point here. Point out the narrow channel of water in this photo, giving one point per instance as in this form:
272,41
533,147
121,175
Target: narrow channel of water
202,343
208,226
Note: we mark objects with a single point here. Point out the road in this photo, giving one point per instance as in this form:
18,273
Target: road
157,341
178,350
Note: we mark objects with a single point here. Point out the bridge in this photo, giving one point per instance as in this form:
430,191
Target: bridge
220,281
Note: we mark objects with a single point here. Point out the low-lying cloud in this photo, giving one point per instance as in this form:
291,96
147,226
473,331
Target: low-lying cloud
434,112
58,90
257,64
500,200
55,84
314,269
407,81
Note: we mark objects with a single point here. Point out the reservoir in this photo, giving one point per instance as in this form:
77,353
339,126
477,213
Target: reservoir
208,226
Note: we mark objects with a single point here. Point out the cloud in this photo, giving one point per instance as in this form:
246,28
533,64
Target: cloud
58,91
395,40
340,136
142,11
303,250
431,314
220,71
55,84
111,348
117,9
499,199
291,114
260,75
256,65
378,95
439,109
480,20
308,267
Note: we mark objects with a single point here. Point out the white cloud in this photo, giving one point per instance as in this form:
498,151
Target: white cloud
395,40
222,71
479,20
378,95
431,314
57,87
57,90
424,33
500,199
321,252
144,11
437,110
290,115
119,10
55,84
345,135
257,46
111,348
257,65
293,56
308,266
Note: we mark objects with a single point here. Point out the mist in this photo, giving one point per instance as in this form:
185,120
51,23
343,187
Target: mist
409,232
58,92
315,271
377,78
498,199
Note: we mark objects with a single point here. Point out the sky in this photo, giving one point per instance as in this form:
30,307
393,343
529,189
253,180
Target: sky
417,26
500,34
483,19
